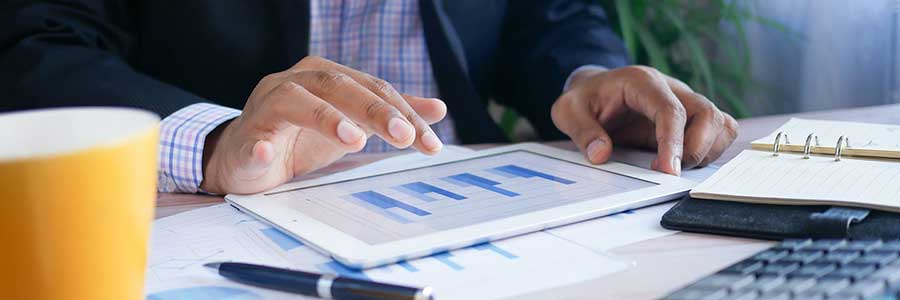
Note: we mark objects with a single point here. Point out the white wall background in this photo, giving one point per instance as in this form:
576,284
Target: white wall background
837,54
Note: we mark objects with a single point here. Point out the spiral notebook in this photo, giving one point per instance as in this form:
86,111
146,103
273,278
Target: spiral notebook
812,162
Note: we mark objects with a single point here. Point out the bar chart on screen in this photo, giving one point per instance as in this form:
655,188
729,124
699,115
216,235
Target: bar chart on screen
420,201
429,193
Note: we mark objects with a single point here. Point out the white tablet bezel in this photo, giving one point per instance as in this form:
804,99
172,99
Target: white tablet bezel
358,254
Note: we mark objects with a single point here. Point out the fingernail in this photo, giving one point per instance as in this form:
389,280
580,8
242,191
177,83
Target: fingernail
349,133
399,129
431,141
594,148
676,165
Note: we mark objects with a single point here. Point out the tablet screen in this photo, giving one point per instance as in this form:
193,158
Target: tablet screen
410,203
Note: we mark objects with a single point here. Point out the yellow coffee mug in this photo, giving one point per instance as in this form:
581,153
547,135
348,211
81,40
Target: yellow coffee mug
77,194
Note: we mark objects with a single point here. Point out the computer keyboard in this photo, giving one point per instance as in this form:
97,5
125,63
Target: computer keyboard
806,269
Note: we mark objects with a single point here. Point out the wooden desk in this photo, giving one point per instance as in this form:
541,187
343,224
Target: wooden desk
661,264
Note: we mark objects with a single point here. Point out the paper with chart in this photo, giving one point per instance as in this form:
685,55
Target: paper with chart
865,139
182,243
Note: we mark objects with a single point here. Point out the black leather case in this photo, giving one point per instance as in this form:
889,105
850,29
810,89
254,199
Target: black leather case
775,222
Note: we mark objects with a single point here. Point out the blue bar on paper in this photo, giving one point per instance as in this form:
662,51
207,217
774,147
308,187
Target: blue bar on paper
622,213
386,202
423,189
528,173
406,265
444,257
487,184
284,241
491,247
341,270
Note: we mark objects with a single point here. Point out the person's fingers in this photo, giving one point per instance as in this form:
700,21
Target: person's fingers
705,122
293,103
430,109
359,104
719,135
573,116
648,93
426,141
723,140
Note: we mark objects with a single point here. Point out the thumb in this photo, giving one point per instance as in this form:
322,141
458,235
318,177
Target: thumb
255,160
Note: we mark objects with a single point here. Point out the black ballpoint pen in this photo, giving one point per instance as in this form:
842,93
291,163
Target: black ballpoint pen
319,285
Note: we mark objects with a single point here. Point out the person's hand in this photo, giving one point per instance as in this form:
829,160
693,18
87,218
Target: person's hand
307,117
639,106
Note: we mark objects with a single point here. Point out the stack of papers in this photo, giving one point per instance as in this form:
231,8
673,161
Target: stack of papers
181,244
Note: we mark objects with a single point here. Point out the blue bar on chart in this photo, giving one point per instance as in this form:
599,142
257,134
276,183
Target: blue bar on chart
468,179
491,247
528,173
420,190
284,241
340,270
444,257
384,202
406,265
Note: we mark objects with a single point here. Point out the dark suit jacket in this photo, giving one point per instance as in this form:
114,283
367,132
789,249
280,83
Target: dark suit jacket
164,55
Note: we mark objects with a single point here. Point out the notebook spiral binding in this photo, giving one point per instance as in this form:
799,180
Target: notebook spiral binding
842,142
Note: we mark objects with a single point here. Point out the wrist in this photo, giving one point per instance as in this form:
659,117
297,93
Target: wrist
211,156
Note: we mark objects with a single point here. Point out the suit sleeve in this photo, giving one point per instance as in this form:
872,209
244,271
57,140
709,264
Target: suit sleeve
66,53
543,42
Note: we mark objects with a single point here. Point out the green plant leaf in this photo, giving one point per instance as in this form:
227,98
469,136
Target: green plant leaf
735,104
697,55
655,53
508,121
627,24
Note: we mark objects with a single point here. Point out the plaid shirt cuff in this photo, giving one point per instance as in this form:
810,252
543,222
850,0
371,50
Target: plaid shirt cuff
181,140
579,69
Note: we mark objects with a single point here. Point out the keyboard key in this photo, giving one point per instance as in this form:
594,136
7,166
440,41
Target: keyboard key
796,285
744,267
775,296
766,283
814,270
810,295
878,258
893,245
770,255
778,268
888,274
845,296
792,244
840,256
744,295
727,281
803,256
852,271
866,288
826,244
698,294
863,245
828,286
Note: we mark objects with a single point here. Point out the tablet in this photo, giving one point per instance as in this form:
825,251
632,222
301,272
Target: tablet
368,220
